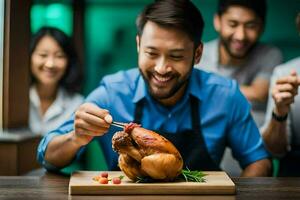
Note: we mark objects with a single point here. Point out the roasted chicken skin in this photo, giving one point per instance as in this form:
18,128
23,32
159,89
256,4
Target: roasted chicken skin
146,153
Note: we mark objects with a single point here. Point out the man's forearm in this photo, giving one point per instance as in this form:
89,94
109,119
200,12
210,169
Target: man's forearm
254,94
275,137
62,149
259,168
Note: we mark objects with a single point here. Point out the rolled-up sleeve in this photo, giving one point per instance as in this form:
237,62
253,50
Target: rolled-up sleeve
63,129
244,138
42,150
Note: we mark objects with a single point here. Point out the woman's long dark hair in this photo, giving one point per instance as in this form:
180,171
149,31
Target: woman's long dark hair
72,79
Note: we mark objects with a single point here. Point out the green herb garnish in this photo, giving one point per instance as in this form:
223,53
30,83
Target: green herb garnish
192,176
186,174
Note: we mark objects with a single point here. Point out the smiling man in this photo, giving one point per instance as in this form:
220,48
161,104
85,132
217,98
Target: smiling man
238,54
200,113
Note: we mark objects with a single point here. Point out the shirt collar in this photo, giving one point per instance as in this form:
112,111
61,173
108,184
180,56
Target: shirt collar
59,101
194,87
195,84
141,90
56,107
33,97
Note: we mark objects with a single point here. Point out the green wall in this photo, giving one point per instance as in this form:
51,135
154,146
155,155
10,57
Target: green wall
281,28
109,39
58,14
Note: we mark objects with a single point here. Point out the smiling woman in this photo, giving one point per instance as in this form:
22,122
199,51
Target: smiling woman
56,79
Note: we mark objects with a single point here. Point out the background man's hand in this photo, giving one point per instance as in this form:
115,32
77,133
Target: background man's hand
90,121
284,91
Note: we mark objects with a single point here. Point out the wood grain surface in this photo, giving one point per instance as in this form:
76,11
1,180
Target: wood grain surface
55,187
82,182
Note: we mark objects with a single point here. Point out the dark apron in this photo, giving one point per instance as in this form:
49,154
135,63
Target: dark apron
190,143
290,163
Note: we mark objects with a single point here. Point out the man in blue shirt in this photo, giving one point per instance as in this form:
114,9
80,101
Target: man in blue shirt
199,112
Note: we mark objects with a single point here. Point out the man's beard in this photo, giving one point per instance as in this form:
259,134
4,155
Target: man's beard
181,83
226,44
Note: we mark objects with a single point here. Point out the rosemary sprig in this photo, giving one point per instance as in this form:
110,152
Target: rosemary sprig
193,176
186,174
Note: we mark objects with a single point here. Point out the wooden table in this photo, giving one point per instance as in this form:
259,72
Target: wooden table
51,186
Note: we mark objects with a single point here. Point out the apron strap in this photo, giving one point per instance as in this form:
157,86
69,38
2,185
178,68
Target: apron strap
138,112
195,115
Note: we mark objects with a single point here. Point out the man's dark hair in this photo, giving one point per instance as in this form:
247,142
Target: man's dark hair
179,14
259,7
72,79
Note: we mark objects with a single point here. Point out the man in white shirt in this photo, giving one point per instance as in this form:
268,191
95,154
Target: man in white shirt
238,54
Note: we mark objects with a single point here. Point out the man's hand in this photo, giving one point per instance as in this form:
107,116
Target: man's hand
284,91
90,121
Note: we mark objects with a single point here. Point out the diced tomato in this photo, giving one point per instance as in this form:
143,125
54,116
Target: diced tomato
103,180
104,174
116,180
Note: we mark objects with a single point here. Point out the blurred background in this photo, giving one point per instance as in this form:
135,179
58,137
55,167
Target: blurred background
109,30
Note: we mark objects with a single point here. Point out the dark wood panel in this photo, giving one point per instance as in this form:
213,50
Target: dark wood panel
16,63
27,152
8,159
18,157
78,28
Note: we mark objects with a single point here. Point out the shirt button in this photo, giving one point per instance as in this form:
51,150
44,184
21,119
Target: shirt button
169,115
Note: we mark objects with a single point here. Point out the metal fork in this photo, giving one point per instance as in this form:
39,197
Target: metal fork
119,124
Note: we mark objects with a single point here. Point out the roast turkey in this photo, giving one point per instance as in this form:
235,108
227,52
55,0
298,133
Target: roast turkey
144,153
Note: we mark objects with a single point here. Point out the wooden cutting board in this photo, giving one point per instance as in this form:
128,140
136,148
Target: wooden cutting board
82,182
